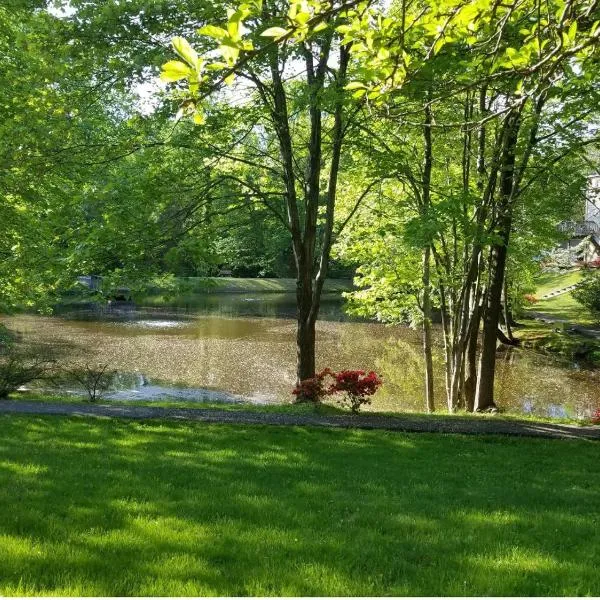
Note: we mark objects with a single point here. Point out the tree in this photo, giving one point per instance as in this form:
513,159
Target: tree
588,293
503,103
305,121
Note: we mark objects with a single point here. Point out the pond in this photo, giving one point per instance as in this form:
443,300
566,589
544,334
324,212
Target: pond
233,347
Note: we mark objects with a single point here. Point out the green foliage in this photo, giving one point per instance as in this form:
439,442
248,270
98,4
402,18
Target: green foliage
588,292
20,364
94,379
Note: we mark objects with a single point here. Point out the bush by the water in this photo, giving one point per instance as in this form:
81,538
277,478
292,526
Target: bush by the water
356,387
21,363
95,379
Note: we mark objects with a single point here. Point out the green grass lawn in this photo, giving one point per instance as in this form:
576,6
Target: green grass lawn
563,306
111,507
549,281
255,284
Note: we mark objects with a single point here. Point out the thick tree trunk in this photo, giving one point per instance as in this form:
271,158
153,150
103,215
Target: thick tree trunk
493,304
487,364
305,346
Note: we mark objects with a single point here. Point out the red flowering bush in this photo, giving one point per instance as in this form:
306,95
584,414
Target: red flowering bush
313,389
357,387
530,298
596,417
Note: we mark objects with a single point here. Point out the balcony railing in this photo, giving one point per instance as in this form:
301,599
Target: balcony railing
581,228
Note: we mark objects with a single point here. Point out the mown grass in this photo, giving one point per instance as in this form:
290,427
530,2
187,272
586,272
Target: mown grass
251,284
550,281
563,307
110,507
567,308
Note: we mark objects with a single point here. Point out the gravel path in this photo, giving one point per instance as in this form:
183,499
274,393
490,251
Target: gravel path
363,421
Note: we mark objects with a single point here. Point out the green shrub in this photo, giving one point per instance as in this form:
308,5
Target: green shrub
20,365
588,292
95,379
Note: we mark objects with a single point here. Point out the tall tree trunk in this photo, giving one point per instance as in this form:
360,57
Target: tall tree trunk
304,235
471,360
305,346
493,303
427,338
425,203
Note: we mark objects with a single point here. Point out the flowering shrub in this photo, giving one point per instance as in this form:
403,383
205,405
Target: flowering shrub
596,417
357,387
312,389
530,298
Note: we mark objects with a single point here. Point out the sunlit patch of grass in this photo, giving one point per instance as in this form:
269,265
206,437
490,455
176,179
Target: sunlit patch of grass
565,307
253,284
160,508
549,282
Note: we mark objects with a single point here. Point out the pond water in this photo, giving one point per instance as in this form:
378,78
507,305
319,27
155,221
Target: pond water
234,347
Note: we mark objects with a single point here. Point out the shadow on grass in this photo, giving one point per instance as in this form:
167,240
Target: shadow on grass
92,507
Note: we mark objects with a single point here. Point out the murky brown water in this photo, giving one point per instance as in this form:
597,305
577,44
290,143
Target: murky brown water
255,357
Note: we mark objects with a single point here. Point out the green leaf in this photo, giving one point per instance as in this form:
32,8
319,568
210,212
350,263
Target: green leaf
216,66
213,31
183,48
274,32
174,70
233,27
302,18
229,54
355,85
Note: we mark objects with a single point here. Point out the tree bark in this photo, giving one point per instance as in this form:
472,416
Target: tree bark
506,313
471,360
305,344
427,338
493,302
425,203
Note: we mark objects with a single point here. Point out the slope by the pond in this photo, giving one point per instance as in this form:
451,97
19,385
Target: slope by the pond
121,508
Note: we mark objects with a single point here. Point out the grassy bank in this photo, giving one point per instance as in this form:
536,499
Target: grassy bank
246,284
293,408
186,289
550,281
92,507
563,307
554,338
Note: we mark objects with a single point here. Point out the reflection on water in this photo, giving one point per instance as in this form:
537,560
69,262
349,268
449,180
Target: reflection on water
272,304
254,356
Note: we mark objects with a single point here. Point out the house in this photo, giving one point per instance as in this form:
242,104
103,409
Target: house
92,282
583,244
